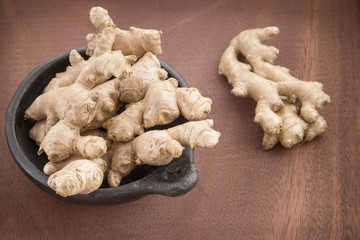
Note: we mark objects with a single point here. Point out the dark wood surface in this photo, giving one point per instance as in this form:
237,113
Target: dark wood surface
311,191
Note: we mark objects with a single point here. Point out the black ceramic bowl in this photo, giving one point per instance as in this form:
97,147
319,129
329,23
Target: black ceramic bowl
174,179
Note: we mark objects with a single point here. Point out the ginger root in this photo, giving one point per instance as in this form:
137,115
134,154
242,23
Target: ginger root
79,176
38,132
293,128
68,109
85,97
159,147
52,167
108,103
71,73
162,104
145,71
267,84
136,41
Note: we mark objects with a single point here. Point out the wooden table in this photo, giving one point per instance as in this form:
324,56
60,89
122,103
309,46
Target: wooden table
311,191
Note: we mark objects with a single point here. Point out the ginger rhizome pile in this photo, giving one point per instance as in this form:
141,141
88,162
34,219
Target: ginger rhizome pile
67,109
78,126
287,108
159,147
162,104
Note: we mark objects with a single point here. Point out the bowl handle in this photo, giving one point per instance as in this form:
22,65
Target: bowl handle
174,179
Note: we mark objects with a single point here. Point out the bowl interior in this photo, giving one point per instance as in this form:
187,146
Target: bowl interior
24,149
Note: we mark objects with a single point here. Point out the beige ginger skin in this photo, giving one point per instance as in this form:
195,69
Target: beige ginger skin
108,103
163,103
267,83
92,146
88,146
52,167
38,131
159,147
145,71
71,73
89,173
79,176
136,41
68,109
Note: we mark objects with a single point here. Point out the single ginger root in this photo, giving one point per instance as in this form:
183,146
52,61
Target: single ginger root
267,83
293,128
136,41
52,167
38,131
68,109
79,176
71,73
145,71
162,104
108,103
159,147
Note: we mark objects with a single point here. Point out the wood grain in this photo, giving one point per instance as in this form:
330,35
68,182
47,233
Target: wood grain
311,191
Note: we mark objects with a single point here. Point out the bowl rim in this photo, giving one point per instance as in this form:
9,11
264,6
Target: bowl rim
151,184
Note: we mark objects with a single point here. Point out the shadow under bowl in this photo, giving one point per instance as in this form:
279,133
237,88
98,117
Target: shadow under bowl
174,179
